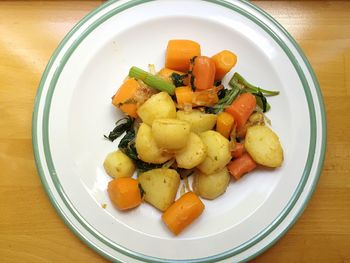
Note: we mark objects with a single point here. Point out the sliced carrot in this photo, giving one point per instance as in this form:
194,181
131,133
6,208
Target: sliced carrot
224,62
224,124
184,95
179,53
241,166
203,73
183,212
124,193
238,150
166,73
123,99
242,108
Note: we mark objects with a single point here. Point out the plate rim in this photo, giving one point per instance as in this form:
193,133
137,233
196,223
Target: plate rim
301,184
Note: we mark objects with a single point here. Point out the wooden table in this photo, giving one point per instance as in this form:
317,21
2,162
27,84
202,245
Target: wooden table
30,229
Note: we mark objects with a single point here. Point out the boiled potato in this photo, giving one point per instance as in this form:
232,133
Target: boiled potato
170,134
160,186
147,148
264,146
210,186
218,152
117,164
200,121
193,154
158,106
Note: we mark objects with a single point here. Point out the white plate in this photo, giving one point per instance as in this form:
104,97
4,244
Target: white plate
73,111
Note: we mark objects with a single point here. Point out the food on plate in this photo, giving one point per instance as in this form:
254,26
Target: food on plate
125,93
264,146
224,124
203,73
183,212
210,186
189,129
241,165
117,164
200,121
192,154
224,61
242,108
186,97
174,77
179,53
218,152
124,193
171,134
160,187
159,106
238,150
147,148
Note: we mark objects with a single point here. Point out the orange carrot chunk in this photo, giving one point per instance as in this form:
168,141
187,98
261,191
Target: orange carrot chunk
241,166
124,193
179,52
224,62
184,95
224,124
166,73
238,150
203,73
242,108
183,212
123,99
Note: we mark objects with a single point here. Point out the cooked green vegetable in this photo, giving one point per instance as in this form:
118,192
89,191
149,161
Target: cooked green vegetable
152,80
178,79
127,146
122,126
251,88
238,81
261,101
228,97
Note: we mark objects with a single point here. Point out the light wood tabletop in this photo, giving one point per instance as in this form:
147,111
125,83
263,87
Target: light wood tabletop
30,228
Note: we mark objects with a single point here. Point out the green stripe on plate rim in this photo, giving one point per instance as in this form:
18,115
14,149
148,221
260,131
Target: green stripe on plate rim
76,214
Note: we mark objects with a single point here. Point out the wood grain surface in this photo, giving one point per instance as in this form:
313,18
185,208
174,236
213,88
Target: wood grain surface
31,230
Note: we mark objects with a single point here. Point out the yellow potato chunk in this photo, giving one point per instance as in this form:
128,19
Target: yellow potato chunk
218,152
170,134
192,154
147,148
264,146
117,164
158,106
200,121
160,186
210,186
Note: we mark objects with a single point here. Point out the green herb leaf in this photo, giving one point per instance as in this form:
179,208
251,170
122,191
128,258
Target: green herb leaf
250,87
178,79
261,101
226,100
123,125
222,93
217,83
259,93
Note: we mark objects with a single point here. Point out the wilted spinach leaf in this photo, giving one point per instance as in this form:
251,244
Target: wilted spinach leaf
123,125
